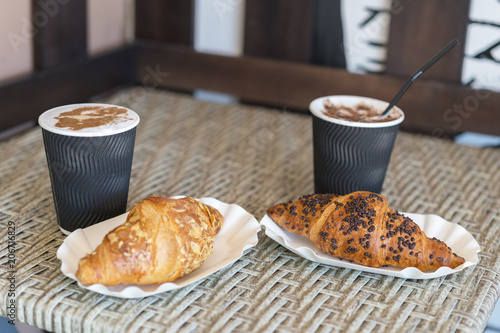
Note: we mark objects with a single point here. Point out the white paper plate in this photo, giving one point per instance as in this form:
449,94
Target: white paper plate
455,236
238,233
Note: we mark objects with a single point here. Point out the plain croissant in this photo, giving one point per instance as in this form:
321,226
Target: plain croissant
162,240
361,227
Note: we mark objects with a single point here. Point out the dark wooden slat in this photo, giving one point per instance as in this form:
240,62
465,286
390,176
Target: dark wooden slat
60,32
430,106
25,99
168,21
420,29
328,37
279,29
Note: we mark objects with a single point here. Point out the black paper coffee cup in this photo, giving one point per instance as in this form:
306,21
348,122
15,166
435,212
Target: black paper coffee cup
89,167
351,156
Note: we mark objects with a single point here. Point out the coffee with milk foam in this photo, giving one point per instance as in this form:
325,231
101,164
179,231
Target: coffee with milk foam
88,120
360,112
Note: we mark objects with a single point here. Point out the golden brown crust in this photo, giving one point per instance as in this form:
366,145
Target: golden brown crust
162,240
362,228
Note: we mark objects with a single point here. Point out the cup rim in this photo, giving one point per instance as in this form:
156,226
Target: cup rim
42,121
316,107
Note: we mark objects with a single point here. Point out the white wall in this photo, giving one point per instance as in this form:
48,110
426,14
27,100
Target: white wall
359,52
218,26
483,33
218,29
109,24
16,51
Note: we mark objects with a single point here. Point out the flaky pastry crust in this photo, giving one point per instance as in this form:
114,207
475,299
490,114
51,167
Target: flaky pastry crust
162,240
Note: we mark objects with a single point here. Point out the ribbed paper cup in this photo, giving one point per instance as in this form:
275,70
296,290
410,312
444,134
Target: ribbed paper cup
89,169
351,156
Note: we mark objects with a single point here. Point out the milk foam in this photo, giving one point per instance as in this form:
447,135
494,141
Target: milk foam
94,119
317,108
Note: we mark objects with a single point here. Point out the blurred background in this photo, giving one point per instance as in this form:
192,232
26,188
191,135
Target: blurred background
219,28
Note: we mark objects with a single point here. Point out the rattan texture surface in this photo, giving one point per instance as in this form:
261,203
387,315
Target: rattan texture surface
254,157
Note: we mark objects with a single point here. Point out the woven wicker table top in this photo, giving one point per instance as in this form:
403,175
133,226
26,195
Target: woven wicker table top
254,157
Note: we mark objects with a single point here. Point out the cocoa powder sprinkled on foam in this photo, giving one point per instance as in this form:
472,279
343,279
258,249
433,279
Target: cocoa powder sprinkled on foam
91,116
359,113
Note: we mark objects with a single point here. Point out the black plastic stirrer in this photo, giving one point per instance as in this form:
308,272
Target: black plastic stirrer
416,75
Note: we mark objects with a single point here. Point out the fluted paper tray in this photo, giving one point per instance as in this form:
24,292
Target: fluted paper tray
238,233
455,236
